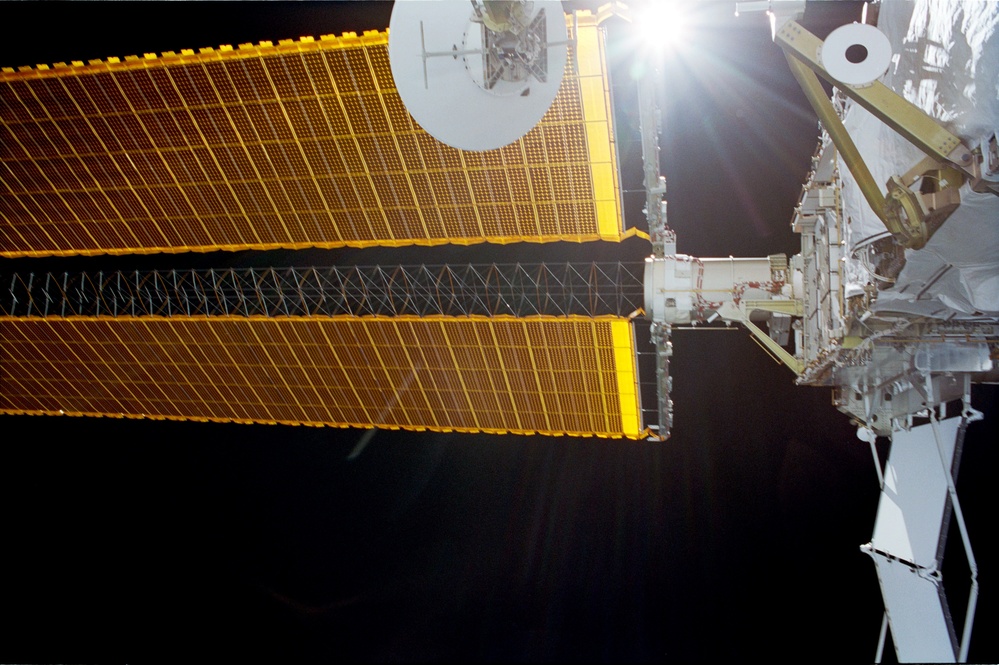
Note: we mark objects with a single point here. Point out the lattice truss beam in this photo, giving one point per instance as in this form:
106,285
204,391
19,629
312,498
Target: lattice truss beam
548,375
594,289
300,144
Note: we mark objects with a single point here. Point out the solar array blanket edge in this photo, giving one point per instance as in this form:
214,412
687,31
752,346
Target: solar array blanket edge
300,144
547,375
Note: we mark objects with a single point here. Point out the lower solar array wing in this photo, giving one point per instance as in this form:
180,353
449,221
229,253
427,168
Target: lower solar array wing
913,508
497,375
909,537
921,625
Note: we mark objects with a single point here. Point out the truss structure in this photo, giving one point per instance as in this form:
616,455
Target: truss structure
564,289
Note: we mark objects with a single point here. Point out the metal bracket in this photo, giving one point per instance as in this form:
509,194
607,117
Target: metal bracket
902,214
898,113
664,351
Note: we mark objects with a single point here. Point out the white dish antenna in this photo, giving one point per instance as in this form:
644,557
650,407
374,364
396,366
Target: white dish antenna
479,74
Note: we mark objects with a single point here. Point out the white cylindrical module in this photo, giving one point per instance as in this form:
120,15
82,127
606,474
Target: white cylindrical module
669,288
685,289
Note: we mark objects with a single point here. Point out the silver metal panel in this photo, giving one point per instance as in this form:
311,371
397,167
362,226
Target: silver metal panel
920,623
914,498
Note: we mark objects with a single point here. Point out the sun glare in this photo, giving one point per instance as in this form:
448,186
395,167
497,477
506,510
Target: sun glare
662,25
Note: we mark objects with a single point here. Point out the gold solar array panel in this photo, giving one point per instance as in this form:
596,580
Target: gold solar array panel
300,144
548,375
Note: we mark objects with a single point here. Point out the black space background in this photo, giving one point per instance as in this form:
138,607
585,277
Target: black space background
738,538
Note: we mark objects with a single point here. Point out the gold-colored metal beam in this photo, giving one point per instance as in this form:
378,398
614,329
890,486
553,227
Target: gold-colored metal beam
792,307
816,96
904,117
901,211
773,347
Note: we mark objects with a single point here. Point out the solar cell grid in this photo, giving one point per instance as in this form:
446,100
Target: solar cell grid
302,144
543,374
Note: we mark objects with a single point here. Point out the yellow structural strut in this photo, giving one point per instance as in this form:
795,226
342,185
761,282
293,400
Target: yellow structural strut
906,118
899,212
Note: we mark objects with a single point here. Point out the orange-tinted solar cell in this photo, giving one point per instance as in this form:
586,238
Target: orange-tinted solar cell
548,375
302,144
